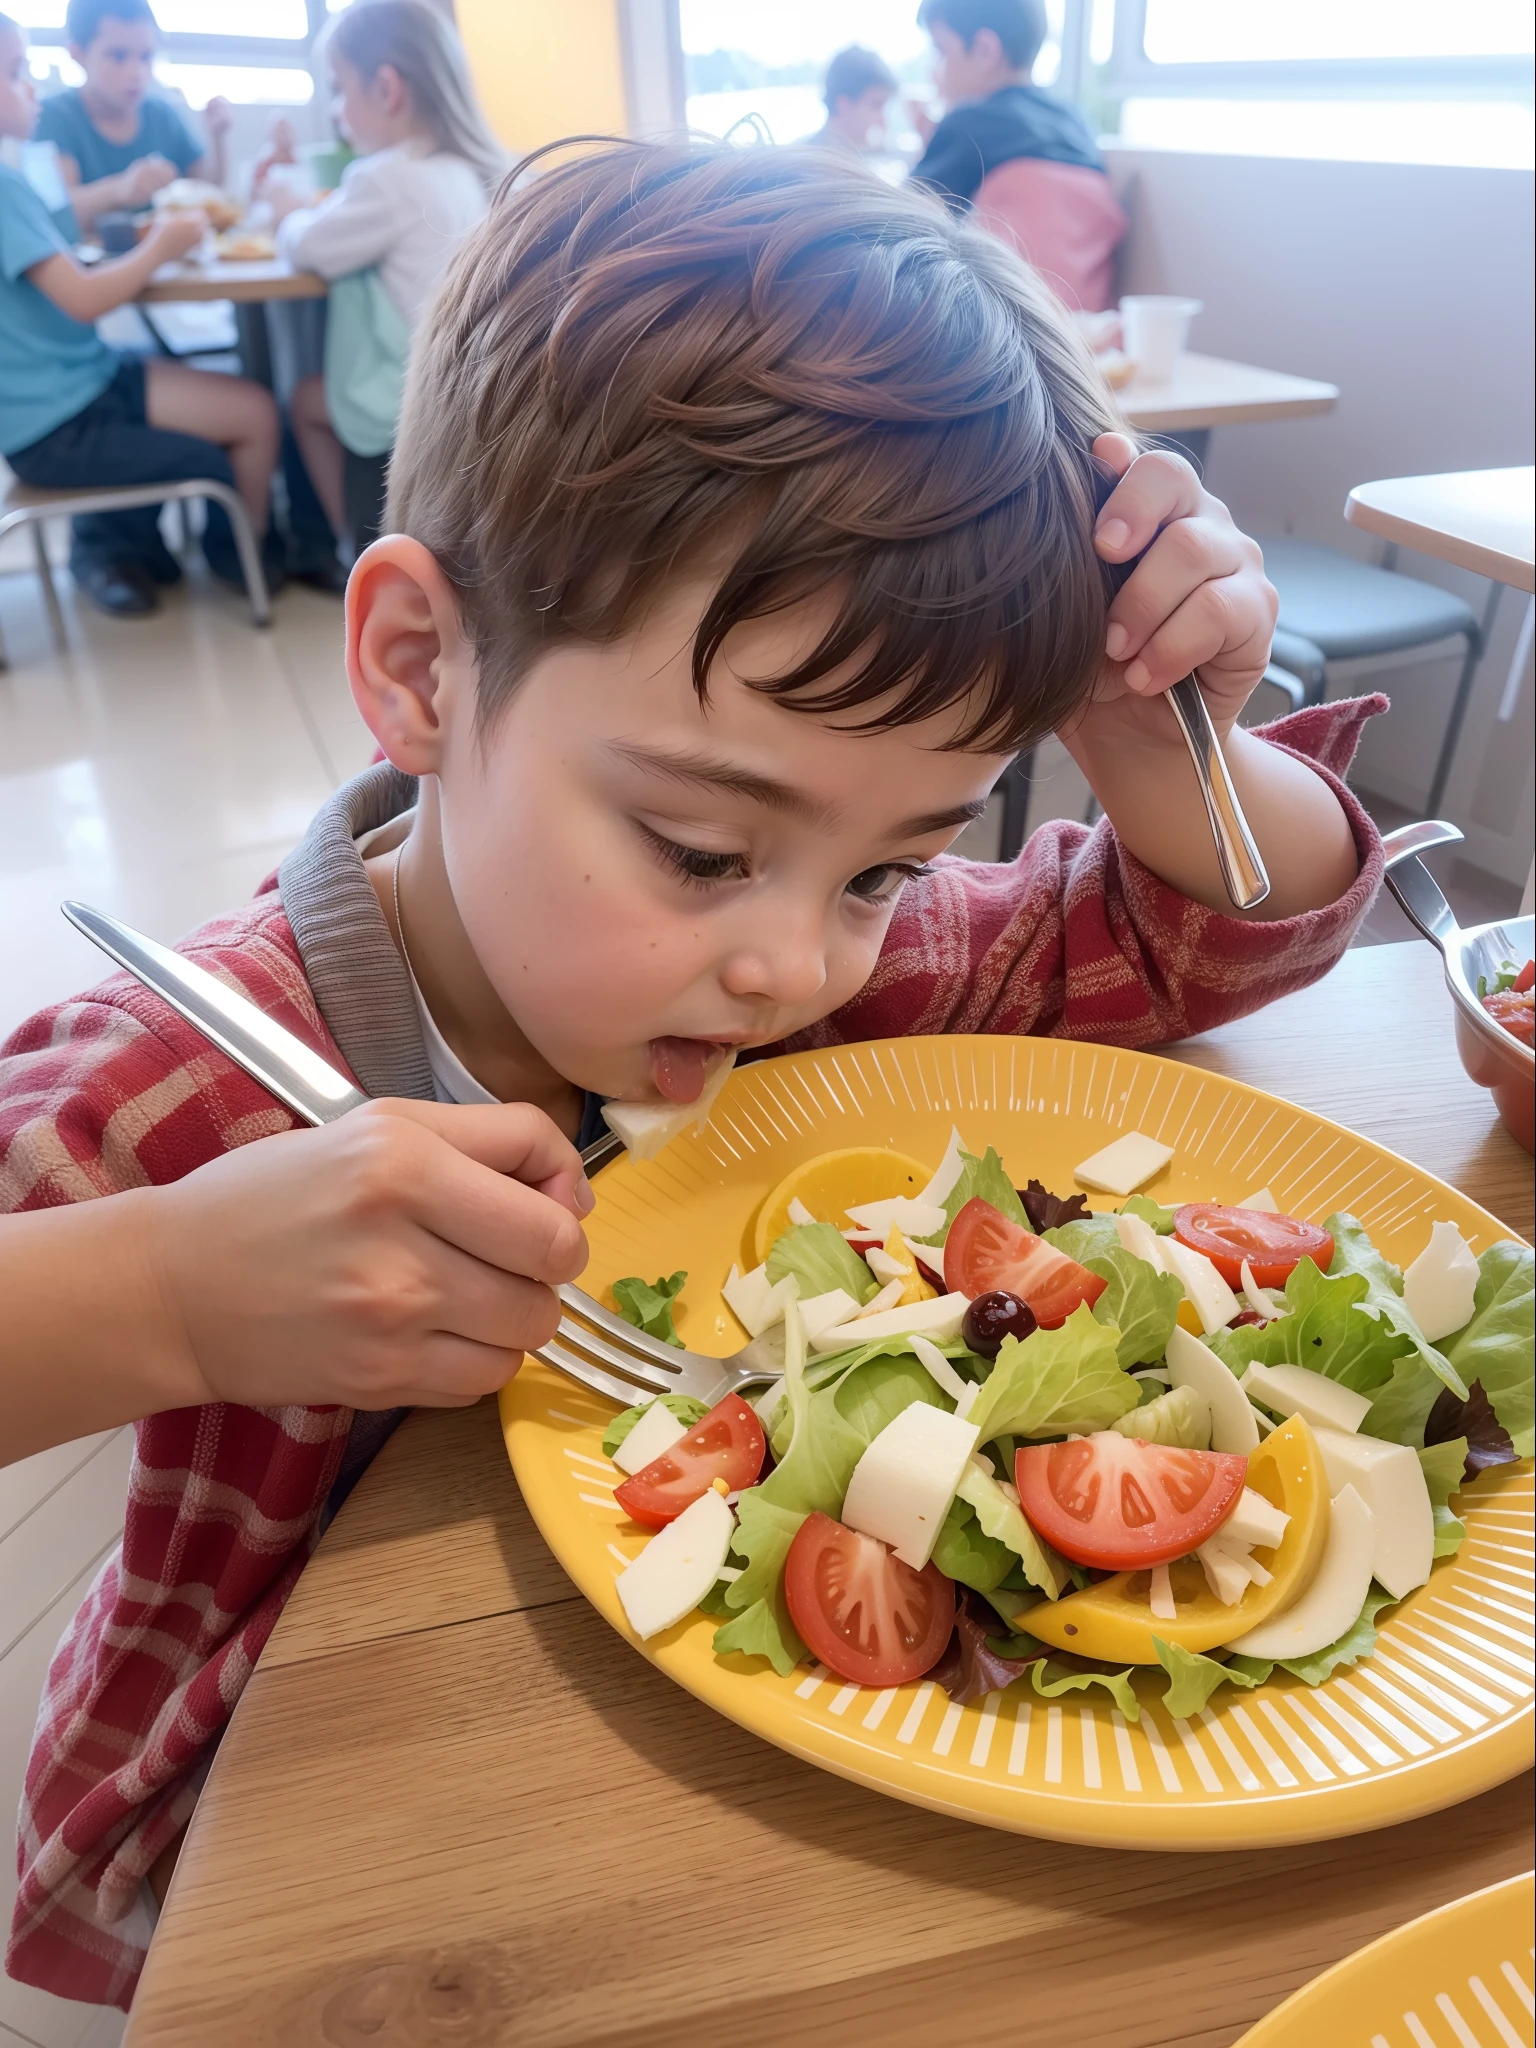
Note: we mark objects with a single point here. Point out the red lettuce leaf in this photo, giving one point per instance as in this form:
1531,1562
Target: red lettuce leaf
1047,1211
970,1668
1488,1441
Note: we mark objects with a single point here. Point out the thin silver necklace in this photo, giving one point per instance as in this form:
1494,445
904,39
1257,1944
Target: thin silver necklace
394,881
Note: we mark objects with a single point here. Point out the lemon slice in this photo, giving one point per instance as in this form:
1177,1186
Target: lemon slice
830,1181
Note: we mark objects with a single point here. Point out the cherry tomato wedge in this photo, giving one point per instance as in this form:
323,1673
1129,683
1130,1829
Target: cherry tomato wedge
1525,980
1120,1504
1272,1245
727,1443
866,1615
985,1251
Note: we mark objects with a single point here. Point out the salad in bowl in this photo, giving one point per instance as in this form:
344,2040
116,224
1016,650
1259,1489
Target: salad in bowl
1019,1440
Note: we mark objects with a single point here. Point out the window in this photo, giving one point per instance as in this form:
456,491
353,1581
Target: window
253,51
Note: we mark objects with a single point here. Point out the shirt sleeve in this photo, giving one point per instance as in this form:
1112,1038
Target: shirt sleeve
1077,939
28,234
355,227
166,132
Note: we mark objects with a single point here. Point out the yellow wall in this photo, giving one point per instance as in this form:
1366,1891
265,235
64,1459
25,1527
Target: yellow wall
546,68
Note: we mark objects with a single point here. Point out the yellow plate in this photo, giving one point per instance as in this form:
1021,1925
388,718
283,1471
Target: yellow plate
1460,1976
1441,1711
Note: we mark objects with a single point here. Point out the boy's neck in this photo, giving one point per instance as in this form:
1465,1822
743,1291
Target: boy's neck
466,1009
118,124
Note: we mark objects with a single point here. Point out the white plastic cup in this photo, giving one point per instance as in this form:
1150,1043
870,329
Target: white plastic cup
1156,334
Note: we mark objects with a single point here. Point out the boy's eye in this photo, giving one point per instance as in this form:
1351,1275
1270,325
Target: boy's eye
881,884
693,864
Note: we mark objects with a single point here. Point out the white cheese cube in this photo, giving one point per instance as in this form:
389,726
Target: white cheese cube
822,1311
1263,1303
1333,1600
902,1486
1255,1523
756,1302
1195,1365
1122,1167
942,1373
655,1433
1262,1200
1224,1573
887,1298
948,1171
1161,1599
1438,1287
1390,1480
939,1319
1141,1241
649,1127
1214,1302
912,1217
1295,1390
677,1567
883,1266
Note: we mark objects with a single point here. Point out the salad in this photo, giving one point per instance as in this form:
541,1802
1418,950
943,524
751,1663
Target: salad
1020,1440
1511,999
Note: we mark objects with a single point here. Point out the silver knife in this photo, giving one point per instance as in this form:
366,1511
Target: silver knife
266,1050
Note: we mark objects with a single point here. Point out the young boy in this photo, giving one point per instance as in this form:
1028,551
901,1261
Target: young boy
743,525
858,88
74,413
118,142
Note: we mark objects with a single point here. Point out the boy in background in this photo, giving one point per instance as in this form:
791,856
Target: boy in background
118,141
744,520
858,88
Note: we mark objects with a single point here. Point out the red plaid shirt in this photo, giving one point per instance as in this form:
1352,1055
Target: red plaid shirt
112,1090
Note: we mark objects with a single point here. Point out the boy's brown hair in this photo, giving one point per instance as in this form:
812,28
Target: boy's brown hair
659,358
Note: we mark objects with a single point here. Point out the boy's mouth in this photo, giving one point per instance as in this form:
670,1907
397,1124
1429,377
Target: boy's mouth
680,1066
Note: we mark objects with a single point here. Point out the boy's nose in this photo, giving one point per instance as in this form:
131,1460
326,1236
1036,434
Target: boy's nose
784,963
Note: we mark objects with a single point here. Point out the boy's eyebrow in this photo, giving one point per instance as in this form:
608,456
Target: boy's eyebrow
707,771
941,821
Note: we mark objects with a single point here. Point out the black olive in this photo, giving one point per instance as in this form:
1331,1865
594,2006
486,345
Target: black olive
992,1317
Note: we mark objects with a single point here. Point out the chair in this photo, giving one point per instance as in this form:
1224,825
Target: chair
1064,219
22,505
1334,608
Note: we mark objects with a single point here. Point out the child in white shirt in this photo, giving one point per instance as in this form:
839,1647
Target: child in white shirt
427,162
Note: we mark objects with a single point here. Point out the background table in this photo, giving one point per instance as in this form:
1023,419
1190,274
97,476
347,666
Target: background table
454,1808
1208,391
1480,519
245,283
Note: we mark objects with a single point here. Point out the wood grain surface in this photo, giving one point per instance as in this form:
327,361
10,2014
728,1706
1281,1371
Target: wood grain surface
453,1809
245,283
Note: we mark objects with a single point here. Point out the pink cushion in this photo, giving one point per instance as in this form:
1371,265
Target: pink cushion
1062,218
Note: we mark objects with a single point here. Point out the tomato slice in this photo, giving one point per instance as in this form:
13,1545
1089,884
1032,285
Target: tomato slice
985,1250
866,1615
1272,1245
1120,1504
1525,980
727,1443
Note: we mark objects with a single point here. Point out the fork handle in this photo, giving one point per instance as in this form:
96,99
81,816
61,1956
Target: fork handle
1242,868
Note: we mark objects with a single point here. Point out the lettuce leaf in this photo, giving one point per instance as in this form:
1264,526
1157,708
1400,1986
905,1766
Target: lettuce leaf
1357,1641
1142,1304
1056,1382
1156,1214
1354,1253
1001,1522
1488,1442
687,1410
964,1552
1328,1328
1180,1418
984,1178
1051,1679
821,1258
1497,1346
1089,1237
762,1630
978,1661
648,1305
1193,1678
1444,1465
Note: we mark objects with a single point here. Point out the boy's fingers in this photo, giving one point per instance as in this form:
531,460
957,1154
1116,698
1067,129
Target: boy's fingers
511,1138
485,1305
452,1371
1158,487
1200,630
497,1220
1185,556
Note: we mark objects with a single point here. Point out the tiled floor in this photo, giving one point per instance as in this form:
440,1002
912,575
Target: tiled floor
158,769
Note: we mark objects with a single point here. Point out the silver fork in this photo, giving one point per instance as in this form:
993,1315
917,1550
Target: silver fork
592,1345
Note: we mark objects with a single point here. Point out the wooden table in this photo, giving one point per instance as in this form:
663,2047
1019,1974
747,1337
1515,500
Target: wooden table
1480,519
245,283
1207,391
453,1808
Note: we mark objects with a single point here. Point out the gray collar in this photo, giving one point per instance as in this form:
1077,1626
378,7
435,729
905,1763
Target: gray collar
350,962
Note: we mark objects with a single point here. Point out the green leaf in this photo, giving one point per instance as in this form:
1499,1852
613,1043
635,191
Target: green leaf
1180,1418
1400,1409
1055,1382
1090,1237
1193,1678
687,1410
827,1367
1444,1465
821,1258
1357,1641
1353,1252
963,1552
1496,1346
1002,1521
987,1180
762,1630
764,1532
1255,1669
1051,1679
1142,1304
648,1305
1160,1218
876,1392
1328,1328
1450,1533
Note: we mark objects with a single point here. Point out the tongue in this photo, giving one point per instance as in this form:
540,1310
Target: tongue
678,1066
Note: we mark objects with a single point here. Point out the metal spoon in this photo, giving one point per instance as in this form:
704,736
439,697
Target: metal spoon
1242,870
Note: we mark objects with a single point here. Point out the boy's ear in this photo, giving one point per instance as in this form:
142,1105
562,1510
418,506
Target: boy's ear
407,656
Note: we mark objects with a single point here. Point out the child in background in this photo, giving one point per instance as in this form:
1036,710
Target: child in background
426,164
743,526
857,89
118,141
74,413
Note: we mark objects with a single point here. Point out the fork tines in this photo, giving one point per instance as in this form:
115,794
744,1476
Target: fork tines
609,1367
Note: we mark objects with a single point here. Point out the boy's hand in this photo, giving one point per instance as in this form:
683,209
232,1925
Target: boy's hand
1197,600
218,117
144,178
405,1255
174,234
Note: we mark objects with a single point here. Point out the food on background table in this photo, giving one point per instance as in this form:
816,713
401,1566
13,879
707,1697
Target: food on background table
1511,1001
1215,1439
246,245
195,195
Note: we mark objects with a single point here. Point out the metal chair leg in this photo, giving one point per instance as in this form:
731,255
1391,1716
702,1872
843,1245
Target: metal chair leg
50,594
1454,723
248,551
1015,786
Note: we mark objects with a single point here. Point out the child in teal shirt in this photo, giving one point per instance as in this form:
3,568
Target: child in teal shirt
75,414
